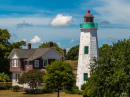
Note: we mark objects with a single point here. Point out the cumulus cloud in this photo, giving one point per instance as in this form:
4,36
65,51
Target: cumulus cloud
25,40
61,21
21,25
36,39
58,44
71,41
104,23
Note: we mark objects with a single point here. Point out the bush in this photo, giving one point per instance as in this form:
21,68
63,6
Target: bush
85,93
16,88
74,90
33,91
47,89
83,86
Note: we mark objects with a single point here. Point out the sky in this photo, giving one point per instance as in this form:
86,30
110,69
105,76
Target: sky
40,21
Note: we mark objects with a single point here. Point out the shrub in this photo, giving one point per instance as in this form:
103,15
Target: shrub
85,93
33,91
46,89
16,88
74,90
83,86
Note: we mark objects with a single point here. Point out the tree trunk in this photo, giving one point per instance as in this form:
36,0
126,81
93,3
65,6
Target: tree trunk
58,92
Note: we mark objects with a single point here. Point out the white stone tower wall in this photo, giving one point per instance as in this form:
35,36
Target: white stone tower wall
88,37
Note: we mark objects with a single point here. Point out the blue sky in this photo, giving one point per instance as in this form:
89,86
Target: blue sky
39,21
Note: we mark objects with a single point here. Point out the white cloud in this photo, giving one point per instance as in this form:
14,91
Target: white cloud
36,39
67,49
4,22
25,40
71,41
61,21
58,44
114,11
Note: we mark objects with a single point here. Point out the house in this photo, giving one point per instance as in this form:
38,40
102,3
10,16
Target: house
23,60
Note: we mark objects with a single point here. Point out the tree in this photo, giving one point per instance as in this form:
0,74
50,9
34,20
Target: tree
33,78
5,48
43,45
4,77
59,74
73,53
110,75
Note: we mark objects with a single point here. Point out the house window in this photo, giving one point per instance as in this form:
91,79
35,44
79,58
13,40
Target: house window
45,62
86,49
85,76
15,62
17,76
27,64
36,63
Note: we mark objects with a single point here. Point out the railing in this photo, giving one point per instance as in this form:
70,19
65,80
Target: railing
89,25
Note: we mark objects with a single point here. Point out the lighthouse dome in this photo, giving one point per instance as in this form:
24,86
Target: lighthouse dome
88,14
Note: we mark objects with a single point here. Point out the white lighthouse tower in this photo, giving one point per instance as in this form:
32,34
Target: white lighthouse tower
88,48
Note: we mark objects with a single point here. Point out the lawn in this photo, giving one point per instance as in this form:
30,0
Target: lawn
9,93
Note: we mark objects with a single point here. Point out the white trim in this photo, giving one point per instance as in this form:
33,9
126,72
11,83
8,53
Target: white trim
43,62
14,62
27,64
35,63
17,75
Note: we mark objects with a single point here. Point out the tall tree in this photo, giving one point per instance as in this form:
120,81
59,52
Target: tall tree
55,45
110,75
59,74
73,53
5,48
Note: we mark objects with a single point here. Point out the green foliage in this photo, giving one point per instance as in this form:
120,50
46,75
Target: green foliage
43,45
110,75
47,89
32,77
4,77
33,91
16,88
60,73
83,86
74,90
72,54
5,48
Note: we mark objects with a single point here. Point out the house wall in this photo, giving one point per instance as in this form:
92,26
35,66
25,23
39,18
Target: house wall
20,65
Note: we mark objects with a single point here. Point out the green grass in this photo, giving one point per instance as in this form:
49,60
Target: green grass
9,93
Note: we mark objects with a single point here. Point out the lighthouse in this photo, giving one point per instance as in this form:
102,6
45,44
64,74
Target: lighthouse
88,48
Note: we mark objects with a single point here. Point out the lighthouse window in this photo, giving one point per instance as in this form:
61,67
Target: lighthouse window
86,50
85,76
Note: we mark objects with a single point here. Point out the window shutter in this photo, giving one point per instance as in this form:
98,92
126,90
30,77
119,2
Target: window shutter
86,49
16,62
13,63
85,76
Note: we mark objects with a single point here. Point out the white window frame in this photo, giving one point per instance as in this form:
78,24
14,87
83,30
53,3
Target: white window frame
17,75
43,62
14,62
35,63
27,64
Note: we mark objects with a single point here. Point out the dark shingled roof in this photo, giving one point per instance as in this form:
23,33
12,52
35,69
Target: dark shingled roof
30,54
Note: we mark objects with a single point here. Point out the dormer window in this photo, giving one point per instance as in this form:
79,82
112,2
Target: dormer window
15,63
36,63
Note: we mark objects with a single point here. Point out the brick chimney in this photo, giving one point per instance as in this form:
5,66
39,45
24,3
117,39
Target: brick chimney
29,45
64,54
50,44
